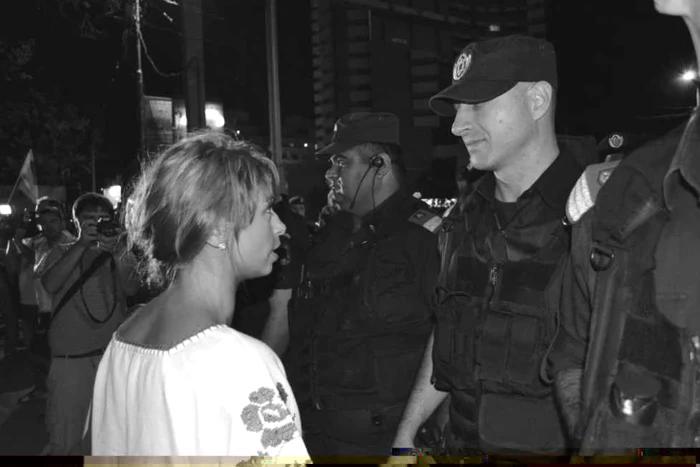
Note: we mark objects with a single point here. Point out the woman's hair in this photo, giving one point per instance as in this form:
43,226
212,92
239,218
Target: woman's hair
187,191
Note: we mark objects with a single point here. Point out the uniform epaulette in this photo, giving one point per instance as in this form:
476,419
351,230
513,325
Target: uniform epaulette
426,219
585,192
448,211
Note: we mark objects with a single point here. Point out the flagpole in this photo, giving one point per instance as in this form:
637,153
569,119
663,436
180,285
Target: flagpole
14,188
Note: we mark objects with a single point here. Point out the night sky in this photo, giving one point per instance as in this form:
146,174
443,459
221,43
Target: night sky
619,63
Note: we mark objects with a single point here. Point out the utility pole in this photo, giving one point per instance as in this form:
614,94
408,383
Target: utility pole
193,60
139,82
273,87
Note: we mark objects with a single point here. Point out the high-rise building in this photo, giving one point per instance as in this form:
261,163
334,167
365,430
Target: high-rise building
393,55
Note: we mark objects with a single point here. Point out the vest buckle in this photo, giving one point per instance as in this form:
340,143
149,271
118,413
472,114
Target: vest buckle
634,397
601,257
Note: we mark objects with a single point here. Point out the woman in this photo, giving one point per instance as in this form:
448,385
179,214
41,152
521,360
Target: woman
176,380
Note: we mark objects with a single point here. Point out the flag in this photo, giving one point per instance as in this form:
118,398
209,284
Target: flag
27,178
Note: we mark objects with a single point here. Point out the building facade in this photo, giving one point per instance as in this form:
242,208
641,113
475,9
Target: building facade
393,55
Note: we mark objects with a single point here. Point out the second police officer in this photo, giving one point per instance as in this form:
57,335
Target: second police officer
363,314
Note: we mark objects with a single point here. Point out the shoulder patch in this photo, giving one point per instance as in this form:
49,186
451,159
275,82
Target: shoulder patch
585,192
426,219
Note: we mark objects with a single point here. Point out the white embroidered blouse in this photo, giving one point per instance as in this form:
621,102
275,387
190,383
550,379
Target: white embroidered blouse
219,393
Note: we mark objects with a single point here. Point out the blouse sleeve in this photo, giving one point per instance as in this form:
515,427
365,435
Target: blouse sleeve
264,407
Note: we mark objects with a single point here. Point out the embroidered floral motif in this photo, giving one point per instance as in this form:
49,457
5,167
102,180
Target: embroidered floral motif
277,436
261,396
263,414
283,393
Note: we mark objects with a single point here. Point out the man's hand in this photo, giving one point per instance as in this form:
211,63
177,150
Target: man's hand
111,243
22,228
88,233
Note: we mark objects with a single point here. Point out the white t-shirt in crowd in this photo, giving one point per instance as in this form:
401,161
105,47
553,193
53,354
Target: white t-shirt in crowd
219,393
30,288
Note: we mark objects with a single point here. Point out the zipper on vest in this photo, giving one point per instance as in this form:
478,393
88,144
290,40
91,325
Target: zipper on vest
315,401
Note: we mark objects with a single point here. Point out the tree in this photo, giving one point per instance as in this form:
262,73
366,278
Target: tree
59,60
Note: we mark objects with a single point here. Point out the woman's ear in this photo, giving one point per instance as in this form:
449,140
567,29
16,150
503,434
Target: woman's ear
221,236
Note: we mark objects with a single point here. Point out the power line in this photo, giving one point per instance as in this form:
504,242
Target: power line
659,117
155,67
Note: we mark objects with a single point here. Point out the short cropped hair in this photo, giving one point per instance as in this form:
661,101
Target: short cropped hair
394,152
46,204
90,201
185,193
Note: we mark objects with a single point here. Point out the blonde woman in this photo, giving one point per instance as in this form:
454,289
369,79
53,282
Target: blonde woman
176,380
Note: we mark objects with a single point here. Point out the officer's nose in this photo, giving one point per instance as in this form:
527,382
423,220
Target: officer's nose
331,176
463,120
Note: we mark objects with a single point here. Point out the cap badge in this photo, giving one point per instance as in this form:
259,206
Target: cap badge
603,176
461,66
616,141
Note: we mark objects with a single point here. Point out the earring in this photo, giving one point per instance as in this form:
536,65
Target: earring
220,246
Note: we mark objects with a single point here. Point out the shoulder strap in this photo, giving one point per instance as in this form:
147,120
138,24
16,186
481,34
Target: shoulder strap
583,195
96,263
426,219
446,243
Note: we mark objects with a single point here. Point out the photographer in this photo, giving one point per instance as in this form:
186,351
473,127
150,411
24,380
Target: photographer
23,254
89,280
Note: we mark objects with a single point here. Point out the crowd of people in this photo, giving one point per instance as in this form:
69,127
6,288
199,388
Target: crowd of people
549,313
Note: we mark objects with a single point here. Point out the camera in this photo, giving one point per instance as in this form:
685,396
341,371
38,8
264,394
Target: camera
108,227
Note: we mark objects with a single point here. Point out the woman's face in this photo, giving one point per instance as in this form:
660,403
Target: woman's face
254,250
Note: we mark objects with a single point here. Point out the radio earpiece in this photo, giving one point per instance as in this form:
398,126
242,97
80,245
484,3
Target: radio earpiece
377,162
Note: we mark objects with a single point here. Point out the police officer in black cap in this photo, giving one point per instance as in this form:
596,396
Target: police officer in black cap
363,314
627,359
501,252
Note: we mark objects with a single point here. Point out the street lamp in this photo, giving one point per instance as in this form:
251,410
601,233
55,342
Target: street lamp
114,194
5,209
691,76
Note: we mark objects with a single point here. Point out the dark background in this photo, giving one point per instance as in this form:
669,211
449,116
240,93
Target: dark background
74,90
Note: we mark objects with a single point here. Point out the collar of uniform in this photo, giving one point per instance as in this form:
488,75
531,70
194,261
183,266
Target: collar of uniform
387,208
553,186
686,162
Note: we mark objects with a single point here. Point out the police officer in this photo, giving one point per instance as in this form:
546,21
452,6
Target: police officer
501,252
363,314
626,358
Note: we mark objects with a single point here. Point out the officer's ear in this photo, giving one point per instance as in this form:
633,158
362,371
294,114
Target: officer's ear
541,99
382,162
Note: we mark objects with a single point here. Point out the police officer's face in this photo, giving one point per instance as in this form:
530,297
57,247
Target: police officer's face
344,177
495,132
686,8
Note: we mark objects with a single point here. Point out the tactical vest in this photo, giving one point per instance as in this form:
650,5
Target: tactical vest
351,357
493,325
639,376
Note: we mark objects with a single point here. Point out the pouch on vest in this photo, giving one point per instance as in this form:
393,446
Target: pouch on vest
453,349
521,424
510,351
